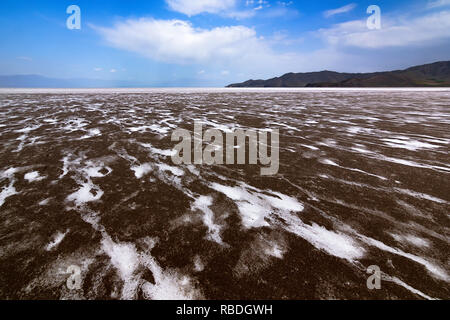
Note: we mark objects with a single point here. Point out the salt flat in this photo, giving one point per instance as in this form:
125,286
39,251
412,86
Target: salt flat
86,180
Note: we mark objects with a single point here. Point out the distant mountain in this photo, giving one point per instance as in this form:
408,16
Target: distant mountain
429,75
36,81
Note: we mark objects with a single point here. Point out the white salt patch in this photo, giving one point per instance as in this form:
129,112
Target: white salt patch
354,130
65,167
140,129
88,192
198,264
142,170
45,202
414,164
284,202
415,241
285,125
57,239
255,206
328,143
169,285
420,195
232,193
22,139
274,250
33,177
167,288
159,129
174,170
253,215
438,140
404,162
75,124
92,133
9,173
367,173
28,129
154,127
123,256
361,150
432,268
408,144
418,242
408,287
7,192
203,203
167,153
68,164
332,163
310,147
94,171
192,169
51,120
221,127
334,243
328,162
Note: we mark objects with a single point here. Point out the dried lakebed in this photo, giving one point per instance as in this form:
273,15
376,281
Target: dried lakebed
86,180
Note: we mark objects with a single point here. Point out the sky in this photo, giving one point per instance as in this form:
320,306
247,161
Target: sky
202,43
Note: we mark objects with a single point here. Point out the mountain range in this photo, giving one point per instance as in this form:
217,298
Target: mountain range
429,75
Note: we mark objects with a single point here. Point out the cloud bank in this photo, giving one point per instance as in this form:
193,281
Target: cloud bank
178,42
438,3
340,10
401,32
348,46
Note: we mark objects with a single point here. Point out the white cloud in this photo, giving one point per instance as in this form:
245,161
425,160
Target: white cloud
226,8
178,42
438,3
193,7
240,51
285,3
113,71
98,69
399,32
340,10
258,4
233,49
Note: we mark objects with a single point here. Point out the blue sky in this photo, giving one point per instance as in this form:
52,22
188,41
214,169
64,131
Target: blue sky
217,42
